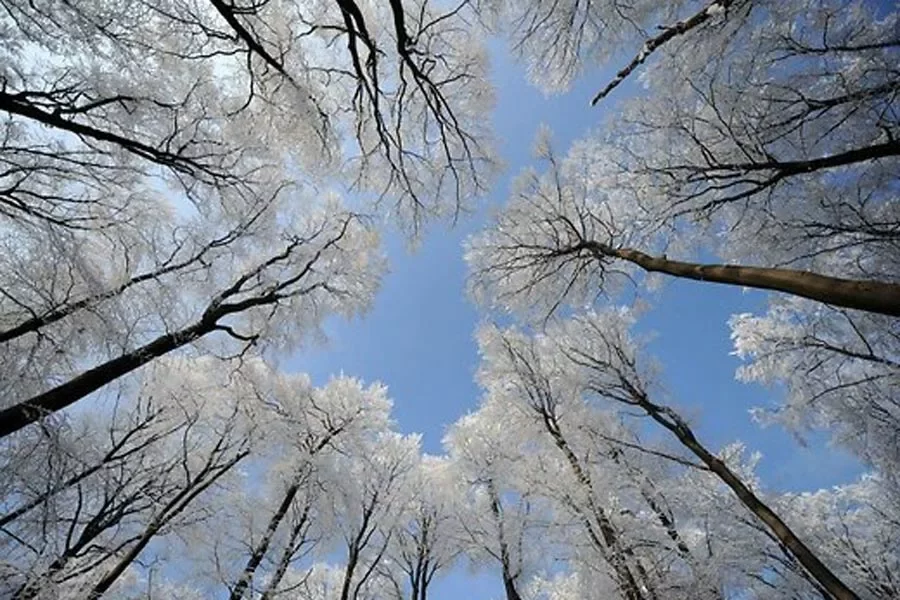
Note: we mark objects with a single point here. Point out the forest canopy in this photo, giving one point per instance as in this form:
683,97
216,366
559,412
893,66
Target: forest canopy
190,189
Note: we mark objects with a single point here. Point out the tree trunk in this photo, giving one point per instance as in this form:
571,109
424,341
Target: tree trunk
608,532
349,570
355,548
871,296
262,547
285,560
509,586
16,417
815,567
509,578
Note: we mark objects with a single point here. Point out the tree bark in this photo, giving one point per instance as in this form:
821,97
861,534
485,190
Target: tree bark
669,32
16,417
815,567
263,546
287,555
871,296
509,578
610,536
509,586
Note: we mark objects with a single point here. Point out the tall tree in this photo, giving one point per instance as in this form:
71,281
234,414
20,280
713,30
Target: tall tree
499,520
309,429
595,354
426,540
129,483
761,152
163,162
277,295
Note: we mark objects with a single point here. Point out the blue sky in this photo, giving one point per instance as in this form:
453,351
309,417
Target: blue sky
418,337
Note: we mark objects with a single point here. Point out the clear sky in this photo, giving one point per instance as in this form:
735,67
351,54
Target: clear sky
418,337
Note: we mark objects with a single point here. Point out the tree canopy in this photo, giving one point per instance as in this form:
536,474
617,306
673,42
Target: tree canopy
189,190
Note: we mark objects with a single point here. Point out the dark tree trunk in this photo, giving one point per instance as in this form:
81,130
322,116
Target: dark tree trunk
815,567
169,512
16,417
262,547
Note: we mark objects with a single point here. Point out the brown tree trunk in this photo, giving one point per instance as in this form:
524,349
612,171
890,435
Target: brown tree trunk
871,296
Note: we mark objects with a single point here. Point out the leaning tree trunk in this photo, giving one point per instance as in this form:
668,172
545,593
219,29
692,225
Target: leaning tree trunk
262,547
610,537
669,419
867,295
287,555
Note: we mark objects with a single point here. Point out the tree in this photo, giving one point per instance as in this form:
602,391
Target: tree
855,521
227,482
370,502
839,370
326,266
425,542
557,40
172,224
167,449
765,137
214,95
152,153
602,363
644,560
577,231
498,518
774,148
309,431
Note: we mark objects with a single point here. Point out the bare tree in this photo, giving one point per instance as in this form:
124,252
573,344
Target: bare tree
496,518
302,277
148,150
425,541
636,575
601,347
86,531
312,424
561,238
